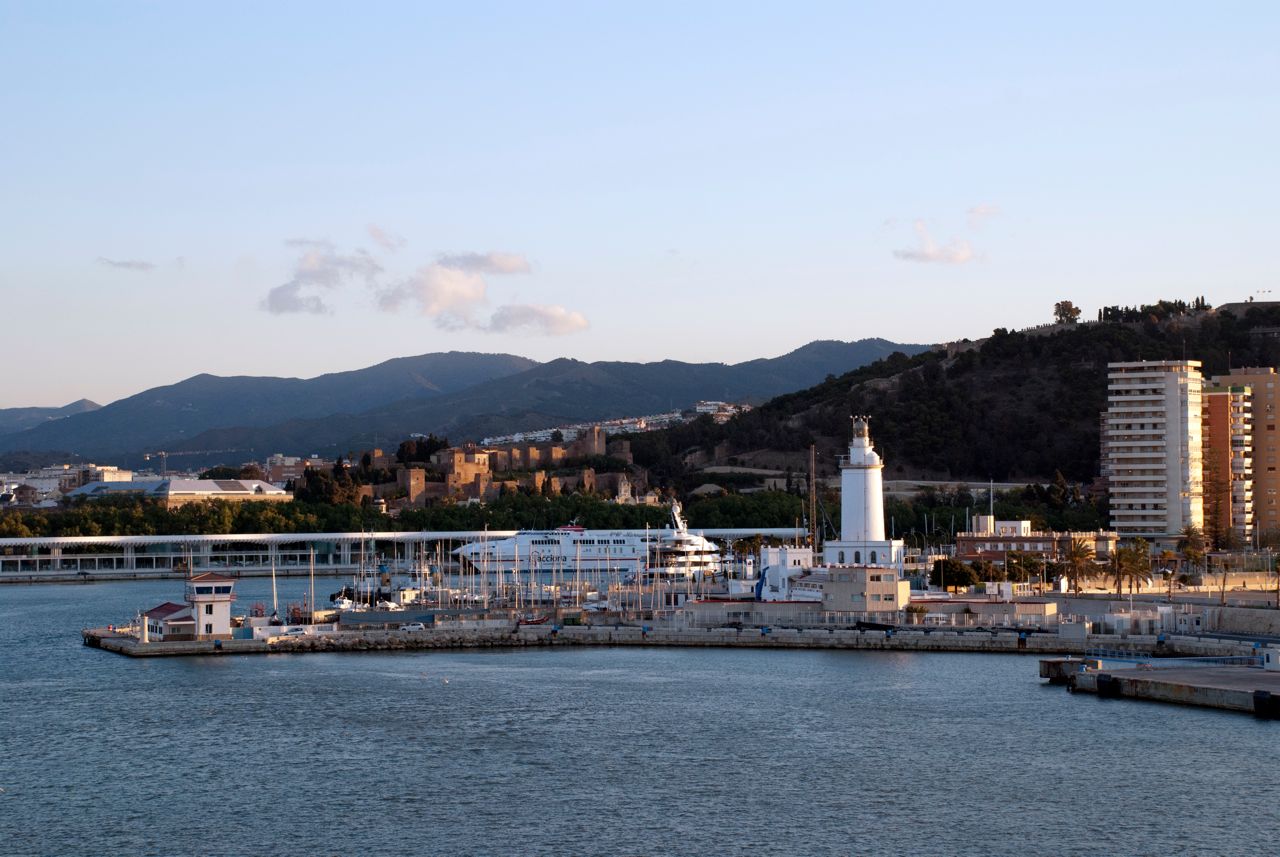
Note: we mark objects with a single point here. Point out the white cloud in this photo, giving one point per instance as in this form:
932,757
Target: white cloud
487,263
320,267
385,239
957,252
127,264
536,318
448,295
452,291
288,298
979,213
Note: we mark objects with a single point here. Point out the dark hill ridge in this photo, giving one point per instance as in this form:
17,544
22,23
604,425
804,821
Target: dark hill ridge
20,419
557,392
1015,406
495,394
164,416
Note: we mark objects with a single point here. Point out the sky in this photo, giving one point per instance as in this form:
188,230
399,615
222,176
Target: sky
299,188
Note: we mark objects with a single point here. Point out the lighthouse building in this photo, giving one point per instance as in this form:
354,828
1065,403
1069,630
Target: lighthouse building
862,540
861,572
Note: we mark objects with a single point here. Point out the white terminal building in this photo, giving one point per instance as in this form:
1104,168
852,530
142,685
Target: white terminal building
862,570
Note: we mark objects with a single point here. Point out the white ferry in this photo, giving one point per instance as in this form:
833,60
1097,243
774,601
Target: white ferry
621,551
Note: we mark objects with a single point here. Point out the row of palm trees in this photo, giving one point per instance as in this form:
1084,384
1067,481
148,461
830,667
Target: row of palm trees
1129,563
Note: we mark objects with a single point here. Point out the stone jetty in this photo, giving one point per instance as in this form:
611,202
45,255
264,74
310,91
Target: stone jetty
519,636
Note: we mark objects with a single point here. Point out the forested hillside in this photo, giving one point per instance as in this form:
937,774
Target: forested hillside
1015,406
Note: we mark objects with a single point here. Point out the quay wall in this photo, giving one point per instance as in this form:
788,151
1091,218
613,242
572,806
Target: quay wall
1254,700
629,635
1242,620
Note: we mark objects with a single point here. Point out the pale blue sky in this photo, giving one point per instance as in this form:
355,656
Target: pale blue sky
700,181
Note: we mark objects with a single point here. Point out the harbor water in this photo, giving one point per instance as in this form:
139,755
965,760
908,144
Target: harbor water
592,751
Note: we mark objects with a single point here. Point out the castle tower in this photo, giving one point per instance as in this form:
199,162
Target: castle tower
861,489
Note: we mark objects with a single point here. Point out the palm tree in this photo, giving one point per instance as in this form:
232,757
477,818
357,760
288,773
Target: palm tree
1131,563
1191,545
1078,557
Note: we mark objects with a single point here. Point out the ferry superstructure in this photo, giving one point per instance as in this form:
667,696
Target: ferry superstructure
621,551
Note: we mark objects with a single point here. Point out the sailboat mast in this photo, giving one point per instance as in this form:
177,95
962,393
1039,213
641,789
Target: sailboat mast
313,586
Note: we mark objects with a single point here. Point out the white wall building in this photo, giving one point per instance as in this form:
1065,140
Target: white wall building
1152,451
210,596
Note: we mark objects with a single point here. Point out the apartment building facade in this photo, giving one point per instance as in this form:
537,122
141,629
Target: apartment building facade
1228,464
1153,447
1264,390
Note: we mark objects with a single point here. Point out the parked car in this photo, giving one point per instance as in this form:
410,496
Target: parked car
413,626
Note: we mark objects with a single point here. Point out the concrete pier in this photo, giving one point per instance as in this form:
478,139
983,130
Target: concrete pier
516,636
1231,688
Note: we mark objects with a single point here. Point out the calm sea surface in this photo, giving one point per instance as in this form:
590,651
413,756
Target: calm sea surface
593,751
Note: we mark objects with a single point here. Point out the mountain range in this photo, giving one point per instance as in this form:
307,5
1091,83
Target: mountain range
461,395
20,419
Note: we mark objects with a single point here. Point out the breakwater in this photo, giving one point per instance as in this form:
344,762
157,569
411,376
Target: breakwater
513,636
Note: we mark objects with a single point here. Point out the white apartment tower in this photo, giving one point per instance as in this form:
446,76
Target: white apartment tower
1152,449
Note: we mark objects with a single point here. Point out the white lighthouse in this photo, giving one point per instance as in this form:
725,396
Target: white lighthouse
861,489
862,540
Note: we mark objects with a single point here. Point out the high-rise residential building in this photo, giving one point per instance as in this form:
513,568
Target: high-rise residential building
1264,388
1228,463
1152,449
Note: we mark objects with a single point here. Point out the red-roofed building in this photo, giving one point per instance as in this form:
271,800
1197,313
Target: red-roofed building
169,621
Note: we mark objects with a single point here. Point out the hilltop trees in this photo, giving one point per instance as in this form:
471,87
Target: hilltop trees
1065,312
420,448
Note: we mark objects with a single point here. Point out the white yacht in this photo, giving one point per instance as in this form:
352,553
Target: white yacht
621,551
680,554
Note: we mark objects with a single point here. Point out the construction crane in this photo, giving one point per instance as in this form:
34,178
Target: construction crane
164,456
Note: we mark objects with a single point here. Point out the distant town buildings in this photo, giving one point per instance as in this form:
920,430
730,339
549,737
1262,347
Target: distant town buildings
47,485
721,412
482,472
283,469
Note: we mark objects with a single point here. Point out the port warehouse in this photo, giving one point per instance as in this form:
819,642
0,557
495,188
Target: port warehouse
256,553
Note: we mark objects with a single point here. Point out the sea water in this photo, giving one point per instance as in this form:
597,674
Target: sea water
624,751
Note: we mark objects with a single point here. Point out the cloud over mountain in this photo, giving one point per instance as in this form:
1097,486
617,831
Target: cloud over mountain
319,268
453,291
536,318
448,295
